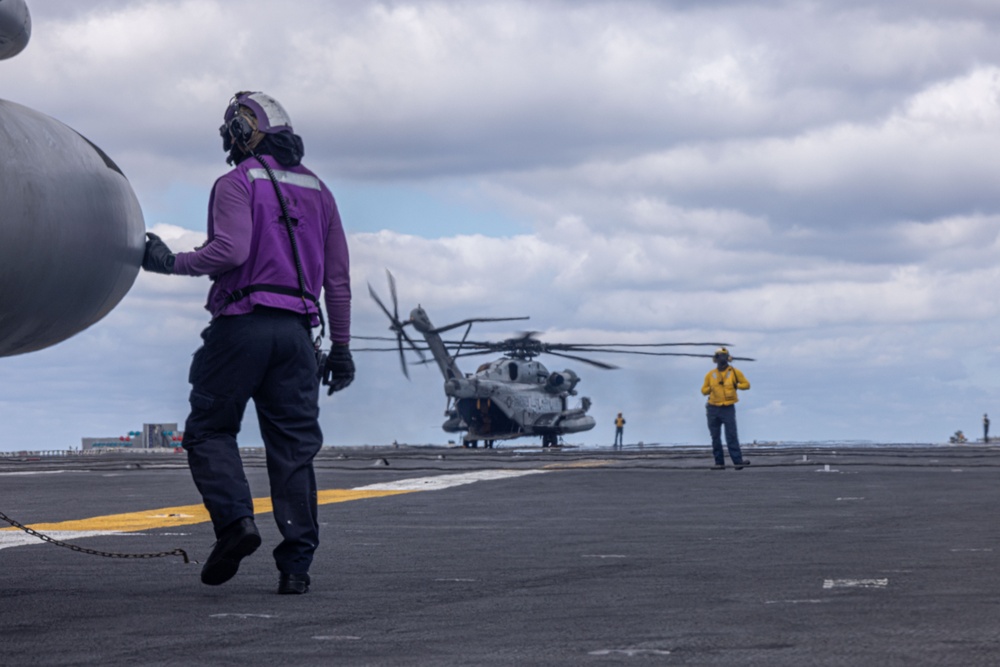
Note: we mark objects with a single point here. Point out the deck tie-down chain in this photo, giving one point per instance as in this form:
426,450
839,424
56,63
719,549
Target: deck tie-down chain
93,552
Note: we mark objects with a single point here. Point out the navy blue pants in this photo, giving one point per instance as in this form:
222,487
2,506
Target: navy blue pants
719,416
266,355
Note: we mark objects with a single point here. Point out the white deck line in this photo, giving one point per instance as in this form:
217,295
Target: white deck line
446,481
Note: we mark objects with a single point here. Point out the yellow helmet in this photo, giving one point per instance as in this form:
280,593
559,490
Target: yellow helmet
722,353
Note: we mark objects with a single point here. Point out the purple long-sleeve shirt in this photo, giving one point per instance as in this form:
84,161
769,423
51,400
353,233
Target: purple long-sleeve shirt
248,244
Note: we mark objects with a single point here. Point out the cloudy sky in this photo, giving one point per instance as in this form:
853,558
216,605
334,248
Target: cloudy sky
813,182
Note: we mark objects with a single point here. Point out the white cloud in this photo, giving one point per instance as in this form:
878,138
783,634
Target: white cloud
934,154
810,181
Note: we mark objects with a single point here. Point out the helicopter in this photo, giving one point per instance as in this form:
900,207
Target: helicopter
513,396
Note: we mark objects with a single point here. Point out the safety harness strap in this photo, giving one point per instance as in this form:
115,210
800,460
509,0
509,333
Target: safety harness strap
244,292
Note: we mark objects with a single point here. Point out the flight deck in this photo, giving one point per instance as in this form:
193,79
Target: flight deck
451,556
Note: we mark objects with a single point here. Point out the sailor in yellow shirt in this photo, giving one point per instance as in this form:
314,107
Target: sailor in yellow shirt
619,431
720,386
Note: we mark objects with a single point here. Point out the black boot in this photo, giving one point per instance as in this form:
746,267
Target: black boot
293,584
238,540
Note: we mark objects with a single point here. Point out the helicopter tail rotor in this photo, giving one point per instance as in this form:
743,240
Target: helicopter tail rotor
395,325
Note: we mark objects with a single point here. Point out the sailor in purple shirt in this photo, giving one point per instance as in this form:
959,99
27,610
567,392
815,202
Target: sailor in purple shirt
275,242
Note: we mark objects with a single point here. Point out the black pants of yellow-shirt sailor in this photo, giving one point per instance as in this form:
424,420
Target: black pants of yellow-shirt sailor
720,416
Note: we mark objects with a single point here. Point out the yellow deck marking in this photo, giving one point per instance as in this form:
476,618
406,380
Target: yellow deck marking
185,515
343,495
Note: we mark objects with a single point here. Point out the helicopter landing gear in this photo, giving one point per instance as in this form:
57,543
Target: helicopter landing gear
487,444
550,441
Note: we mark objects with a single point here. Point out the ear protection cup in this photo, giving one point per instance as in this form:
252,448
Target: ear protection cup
240,130
237,130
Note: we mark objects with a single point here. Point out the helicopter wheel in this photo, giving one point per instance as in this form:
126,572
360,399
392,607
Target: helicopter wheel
474,444
488,444
549,441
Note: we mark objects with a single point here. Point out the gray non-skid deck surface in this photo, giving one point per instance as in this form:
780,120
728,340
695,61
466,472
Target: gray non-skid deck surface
862,557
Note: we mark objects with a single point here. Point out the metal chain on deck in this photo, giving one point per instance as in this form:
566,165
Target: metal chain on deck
93,552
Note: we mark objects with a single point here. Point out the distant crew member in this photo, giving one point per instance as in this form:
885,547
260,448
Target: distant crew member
720,386
986,427
275,240
619,431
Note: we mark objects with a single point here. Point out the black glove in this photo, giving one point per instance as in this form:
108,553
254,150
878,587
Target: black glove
338,371
158,257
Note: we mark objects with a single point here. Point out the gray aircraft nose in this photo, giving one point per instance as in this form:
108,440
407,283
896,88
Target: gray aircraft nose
15,27
71,231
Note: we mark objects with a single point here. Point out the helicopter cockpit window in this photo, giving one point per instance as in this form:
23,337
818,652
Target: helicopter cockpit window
512,371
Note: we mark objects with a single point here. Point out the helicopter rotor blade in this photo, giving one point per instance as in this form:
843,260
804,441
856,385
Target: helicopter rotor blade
399,331
402,360
455,325
413,346
486,348
458,350
480,353
657,354
525,346
392,292
613,345
592,362
532,336
483,345
381,305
